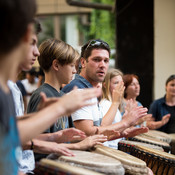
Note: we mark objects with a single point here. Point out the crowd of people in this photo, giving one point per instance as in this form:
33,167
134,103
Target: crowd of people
96,105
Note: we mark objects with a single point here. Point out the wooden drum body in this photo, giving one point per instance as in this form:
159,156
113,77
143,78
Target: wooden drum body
161,163
131,164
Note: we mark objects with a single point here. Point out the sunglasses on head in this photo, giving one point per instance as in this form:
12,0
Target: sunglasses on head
96,43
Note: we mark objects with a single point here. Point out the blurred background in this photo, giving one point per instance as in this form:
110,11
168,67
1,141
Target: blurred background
141,34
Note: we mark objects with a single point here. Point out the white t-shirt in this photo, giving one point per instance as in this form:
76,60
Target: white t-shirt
27,161
30,88
89,113
104,107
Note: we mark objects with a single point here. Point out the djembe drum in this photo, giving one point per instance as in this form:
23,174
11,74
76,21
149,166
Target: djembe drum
144,139
95,162
161,163
127,145
51,167
131,164
159,135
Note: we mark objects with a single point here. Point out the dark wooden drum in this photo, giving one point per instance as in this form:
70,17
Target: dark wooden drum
131,164
144,139
161,163
51,167
127,145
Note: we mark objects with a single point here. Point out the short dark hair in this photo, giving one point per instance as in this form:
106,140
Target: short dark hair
15,15
170,78
93,44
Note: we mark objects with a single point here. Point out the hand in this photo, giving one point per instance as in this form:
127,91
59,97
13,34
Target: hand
165,119
133,131
78,98
91,141
145,118
46,147
21,173
117,93
111,134
133,112
69,135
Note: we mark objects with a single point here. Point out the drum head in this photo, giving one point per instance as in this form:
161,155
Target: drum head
95,162
158,135
134,143
131,164
51,167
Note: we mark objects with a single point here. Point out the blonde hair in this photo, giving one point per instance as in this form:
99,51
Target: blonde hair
106,83
52,49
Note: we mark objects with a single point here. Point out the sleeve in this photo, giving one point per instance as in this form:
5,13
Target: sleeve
33,103
85,113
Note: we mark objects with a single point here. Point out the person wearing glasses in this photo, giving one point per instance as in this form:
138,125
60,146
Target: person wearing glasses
163,109
95,55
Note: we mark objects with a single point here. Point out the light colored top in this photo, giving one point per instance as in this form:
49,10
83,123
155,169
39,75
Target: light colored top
30,88
26,161
104,107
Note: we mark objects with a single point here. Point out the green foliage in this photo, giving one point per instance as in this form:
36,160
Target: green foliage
47,28
103,24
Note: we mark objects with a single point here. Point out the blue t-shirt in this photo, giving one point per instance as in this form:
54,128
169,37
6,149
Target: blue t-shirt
9,138
158,109
79,81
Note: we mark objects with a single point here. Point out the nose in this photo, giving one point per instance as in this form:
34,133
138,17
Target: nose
36,51
74,70
102,64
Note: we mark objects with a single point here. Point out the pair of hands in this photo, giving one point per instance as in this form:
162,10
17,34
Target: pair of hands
133,113
129,132
117,93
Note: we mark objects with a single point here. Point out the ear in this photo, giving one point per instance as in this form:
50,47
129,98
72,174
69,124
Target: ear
55,65
83,62
28,35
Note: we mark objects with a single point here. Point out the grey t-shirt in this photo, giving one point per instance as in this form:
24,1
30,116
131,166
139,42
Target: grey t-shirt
61,123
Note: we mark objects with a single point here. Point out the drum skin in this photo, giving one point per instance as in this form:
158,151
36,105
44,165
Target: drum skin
144,139
131,164
158,135
95,162
51,167
127,145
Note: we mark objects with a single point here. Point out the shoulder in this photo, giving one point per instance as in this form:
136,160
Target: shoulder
79,82
158,101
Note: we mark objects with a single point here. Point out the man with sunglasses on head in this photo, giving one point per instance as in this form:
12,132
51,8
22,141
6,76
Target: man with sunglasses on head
95,55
